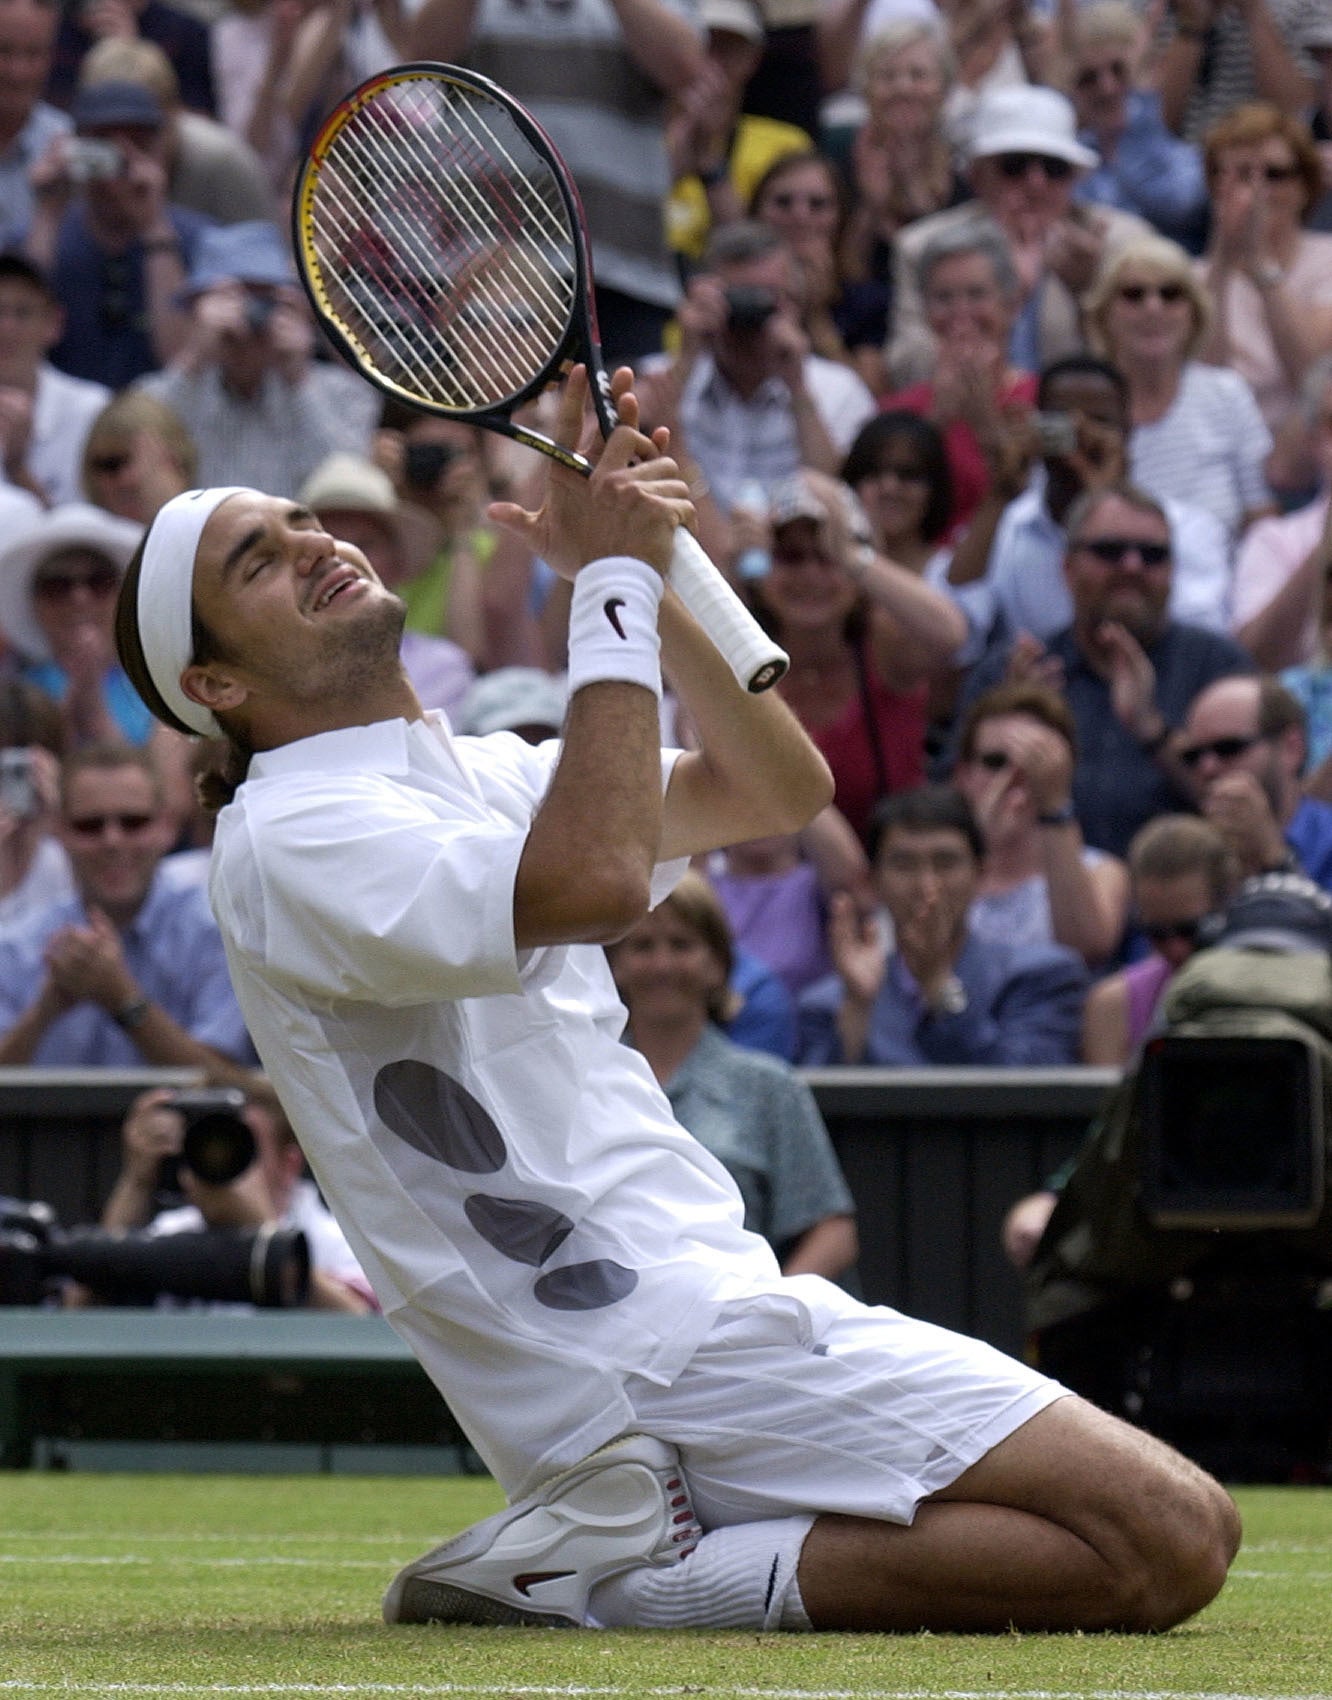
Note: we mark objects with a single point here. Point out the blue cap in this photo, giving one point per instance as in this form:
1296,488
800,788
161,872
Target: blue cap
105,106
251,252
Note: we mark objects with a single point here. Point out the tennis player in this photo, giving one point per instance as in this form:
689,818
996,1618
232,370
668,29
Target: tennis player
413,923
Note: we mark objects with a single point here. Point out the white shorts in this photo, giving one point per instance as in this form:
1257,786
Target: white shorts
805,1400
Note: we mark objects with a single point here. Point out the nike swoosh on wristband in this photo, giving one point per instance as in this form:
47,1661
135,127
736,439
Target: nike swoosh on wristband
525,1580
610,607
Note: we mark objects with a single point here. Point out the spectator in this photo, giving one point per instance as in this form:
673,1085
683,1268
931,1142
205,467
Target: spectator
898,161
861,633
114,247
672,969
717,152
179,34
1270,280
1040,884
1182,872
971,296
1283,562
28,124
355,500
755,403
131,971
940,995
1244,745
1198,435
1222,53
209,168
44,413
1023,164
137,456
523,700
1144,169
252,44
34,869
609,125
275,1189
258,405
1007,570
1127,668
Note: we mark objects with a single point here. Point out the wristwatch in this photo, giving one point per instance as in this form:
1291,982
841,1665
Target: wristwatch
132,1015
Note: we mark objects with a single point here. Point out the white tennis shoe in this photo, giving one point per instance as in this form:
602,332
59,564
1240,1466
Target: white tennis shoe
538,1561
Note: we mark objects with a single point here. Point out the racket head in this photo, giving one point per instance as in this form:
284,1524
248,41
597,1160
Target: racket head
441,242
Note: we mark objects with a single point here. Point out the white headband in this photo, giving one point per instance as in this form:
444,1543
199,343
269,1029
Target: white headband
166,599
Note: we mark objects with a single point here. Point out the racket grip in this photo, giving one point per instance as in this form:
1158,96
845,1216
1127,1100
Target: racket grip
753,657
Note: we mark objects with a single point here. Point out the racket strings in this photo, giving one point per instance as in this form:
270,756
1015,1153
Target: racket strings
443,244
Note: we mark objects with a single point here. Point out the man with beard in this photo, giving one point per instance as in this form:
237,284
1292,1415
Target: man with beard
1128,670
1243,746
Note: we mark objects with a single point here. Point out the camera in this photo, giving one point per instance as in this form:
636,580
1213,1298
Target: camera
18,790
258,312
267,1266
91,160
424,462
1057,433
749,306
218,1145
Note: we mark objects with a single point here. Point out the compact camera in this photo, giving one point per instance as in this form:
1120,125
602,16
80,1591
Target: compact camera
1057,433
91,160
749,306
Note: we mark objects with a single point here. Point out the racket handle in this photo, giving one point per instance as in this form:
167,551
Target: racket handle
754,658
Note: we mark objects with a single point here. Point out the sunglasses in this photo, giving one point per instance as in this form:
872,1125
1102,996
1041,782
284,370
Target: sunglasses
55,587
1224,749
1114,551
108,465
1017,165
995,760
1162,932
1088,78
1137,293
93,826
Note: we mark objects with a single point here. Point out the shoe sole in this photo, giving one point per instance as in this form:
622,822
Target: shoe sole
422,1601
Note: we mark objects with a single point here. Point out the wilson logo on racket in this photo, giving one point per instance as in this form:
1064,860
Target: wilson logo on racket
611,608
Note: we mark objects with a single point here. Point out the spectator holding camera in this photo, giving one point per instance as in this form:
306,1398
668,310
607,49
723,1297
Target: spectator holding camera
34,869
938,994
271,1188
754,402
45,414
260,409
28,124
131,971
1243,746
106,233
178,32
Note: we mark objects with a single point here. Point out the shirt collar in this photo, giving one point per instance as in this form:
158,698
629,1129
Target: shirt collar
383,747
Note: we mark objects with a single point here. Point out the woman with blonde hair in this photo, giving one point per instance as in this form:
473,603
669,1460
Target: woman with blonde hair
1197,434
750,1110
1269,279
138,455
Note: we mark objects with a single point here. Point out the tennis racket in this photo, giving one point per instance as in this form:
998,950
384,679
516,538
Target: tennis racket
440,239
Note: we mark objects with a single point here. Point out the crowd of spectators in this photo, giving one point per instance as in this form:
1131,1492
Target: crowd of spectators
996,342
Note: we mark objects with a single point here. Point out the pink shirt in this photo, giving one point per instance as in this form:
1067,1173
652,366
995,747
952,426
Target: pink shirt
1270,553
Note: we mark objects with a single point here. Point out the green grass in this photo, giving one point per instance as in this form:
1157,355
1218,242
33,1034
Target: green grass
140,1585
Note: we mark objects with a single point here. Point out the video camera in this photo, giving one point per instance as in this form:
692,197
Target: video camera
267,1266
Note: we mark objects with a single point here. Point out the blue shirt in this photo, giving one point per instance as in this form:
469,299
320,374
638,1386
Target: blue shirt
133,720
174,951
1153,173
1024,1010
766,1019
1310,837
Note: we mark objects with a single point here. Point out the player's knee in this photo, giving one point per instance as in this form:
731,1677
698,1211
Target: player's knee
1178,1549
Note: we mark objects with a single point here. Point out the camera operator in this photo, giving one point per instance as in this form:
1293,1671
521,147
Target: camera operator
260,409
755,404
273,1188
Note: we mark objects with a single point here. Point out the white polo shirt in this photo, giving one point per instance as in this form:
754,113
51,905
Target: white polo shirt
534,1222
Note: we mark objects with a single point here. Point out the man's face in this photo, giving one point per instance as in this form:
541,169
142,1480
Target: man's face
1022,190
30,323
115,832
1102,77
1092,402
1118,569
1169,911
1221,737
751,351
27,32
964,305
301,617
926,869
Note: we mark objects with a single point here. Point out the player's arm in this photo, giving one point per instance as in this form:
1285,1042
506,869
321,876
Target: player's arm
755,771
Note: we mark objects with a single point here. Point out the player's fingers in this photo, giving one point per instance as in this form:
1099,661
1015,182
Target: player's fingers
568,426
514,519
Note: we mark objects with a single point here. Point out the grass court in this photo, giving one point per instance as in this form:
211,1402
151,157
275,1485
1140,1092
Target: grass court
128,1586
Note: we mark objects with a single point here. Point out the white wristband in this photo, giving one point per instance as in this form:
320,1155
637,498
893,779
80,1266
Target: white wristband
613,624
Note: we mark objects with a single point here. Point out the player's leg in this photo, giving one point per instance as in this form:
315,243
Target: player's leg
1075,1521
